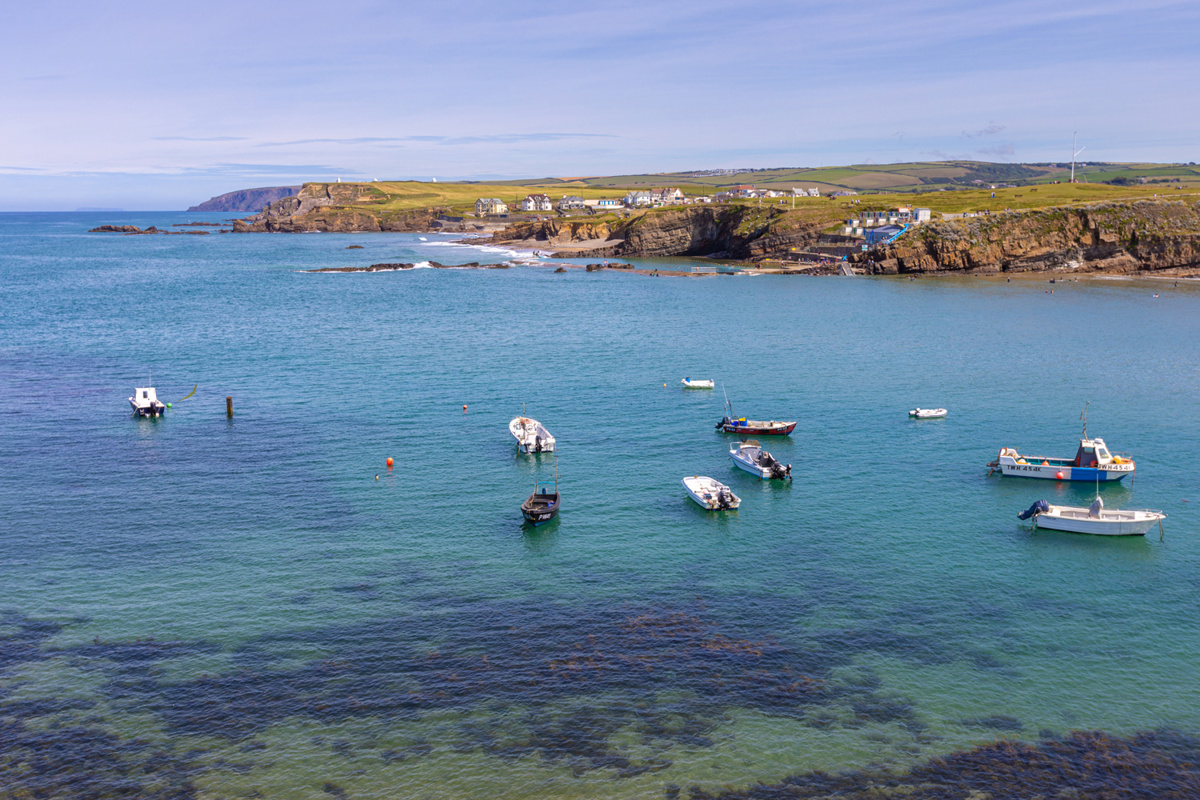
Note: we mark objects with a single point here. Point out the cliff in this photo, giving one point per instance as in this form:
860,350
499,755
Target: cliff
246,199
338,207
1141,236
738,231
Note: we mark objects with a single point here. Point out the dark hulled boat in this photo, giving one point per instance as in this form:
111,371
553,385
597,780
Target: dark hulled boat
542,505
752,427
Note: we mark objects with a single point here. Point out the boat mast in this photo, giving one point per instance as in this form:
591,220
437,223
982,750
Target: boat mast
1083,417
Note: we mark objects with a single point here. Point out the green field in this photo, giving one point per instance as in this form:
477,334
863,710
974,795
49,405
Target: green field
946,186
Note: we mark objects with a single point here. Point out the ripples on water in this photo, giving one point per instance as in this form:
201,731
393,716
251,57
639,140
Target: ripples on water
199,607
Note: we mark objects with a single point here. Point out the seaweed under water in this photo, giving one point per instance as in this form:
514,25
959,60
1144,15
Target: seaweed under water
1091,765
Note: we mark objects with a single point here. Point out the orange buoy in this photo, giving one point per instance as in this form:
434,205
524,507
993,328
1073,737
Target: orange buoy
389,462
464,408
1059,476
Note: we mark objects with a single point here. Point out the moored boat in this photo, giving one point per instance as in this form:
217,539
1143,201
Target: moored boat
531,435
752,427
710,493
927,413
749,456
541,506
1092,462
145,402
1096,519
688,383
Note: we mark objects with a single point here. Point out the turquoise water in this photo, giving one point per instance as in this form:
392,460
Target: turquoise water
240,606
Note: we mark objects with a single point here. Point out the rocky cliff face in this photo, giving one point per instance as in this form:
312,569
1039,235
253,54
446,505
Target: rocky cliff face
246,199
745,232
343,208
1149,235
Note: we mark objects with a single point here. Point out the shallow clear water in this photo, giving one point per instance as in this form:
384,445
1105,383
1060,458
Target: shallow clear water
244,602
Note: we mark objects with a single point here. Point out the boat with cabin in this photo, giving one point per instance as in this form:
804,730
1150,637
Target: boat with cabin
1096,519
688,383
145,402
749,455
711,494
1092,462
541,506
531,435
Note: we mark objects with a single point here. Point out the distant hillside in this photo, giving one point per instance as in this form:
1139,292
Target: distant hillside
247,199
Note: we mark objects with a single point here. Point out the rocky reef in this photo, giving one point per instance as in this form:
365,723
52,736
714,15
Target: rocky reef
1149,236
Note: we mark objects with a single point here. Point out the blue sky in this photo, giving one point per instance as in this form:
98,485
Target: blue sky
160,105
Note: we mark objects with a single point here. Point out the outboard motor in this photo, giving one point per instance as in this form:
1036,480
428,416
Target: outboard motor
724,500
780,471
724,421
1040,507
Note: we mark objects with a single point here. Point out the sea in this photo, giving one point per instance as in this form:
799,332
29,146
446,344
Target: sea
258,606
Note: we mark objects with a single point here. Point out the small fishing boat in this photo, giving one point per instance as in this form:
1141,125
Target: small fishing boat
755,427
1096,519
1092,462
531,435
750,456
710,493
927,413
542,505
145,402
688,383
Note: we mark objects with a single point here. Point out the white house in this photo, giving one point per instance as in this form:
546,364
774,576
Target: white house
639,198
537,202
487,206
571,203
667,197
603,204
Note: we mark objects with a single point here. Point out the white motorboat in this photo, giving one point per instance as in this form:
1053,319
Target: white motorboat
1096,519
145,402
710,493
688,383
531,435
750,456
927,413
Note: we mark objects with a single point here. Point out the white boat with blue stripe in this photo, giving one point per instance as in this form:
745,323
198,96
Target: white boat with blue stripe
1092,462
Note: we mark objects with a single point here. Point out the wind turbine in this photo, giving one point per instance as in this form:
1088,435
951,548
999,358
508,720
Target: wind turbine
1074,153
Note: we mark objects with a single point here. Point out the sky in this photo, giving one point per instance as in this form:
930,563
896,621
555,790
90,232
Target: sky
162,105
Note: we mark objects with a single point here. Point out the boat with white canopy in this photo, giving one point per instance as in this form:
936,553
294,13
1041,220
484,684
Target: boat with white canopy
688,383
531,435
749,455
927,413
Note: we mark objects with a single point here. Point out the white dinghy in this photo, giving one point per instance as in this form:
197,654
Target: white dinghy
1096,519
927,413
710,493
688,383
531,435
750,456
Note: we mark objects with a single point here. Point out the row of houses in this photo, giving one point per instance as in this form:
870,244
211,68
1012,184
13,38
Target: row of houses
640,198
868,223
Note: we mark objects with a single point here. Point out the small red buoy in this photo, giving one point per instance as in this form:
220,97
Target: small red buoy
1059,475
464,408
389,462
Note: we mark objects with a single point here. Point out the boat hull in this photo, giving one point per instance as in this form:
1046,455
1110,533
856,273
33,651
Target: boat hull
705,492
1053,472
761,429
753,469
698,384
536,513
1109,523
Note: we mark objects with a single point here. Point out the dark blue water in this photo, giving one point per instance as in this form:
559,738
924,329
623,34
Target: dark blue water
239,605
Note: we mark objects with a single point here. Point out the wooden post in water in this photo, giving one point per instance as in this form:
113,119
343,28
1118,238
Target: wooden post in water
229,406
